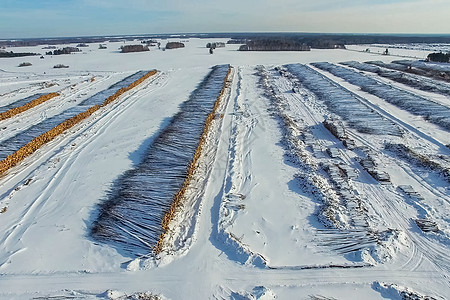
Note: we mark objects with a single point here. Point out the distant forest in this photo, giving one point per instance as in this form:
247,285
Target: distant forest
439,57
314,40
332,41
12,54
275,44
65,50
320,41
174,45
134,48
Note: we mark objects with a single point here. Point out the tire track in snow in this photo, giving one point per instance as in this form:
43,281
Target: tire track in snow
87,131
18,170
163,277
368,99
421,245
144,200
392,217
311,118
238,178
68,98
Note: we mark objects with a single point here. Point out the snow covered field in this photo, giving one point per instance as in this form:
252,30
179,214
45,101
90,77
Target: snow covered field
307,187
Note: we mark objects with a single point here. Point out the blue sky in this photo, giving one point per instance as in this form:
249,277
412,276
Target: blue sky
54,18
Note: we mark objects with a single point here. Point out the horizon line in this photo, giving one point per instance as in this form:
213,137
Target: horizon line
225,33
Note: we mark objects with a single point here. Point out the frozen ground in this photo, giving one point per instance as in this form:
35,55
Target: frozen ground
278,207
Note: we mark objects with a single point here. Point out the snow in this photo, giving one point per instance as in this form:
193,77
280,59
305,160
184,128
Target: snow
256,220
406,51
430,110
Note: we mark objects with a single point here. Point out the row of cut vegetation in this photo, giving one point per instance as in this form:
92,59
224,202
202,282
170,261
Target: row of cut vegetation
431,70
17,110
178,198
136,215
20,102
415,104
25,151
342,102
21,138
380,68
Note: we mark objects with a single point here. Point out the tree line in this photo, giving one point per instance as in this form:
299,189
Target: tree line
274,45
439,57
13,54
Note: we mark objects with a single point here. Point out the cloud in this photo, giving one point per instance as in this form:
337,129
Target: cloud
98,17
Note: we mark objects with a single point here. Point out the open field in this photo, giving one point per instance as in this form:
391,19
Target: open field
295,175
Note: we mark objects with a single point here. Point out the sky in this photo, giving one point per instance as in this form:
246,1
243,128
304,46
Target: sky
61,18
